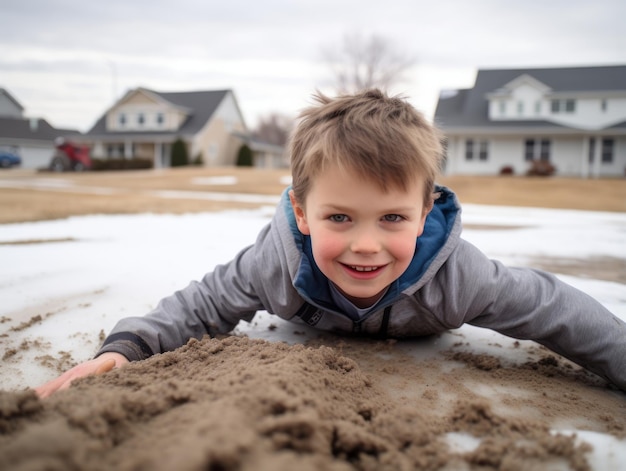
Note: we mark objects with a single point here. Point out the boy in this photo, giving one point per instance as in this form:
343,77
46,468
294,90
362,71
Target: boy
364,242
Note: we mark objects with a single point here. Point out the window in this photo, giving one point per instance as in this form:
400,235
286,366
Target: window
478,149
121,119
115,150
555,106
563,106
529,149
160,119
502,108
538,107
592,149
483,150
607,150
604,105
141,119
469,149
520,108
537,149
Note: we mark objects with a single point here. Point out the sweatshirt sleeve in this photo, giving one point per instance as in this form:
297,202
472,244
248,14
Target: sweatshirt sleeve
532,305
213,305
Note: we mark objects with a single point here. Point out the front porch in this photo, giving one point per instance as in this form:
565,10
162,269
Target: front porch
158,152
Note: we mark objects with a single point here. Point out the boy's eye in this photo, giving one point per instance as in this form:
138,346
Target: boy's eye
392,218
338,218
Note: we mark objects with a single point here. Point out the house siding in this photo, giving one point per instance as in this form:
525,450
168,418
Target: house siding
216,142
8,108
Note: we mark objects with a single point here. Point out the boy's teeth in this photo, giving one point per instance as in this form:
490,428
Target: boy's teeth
364,268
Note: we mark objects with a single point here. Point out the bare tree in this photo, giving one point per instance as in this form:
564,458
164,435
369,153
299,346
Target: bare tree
365,63
273,129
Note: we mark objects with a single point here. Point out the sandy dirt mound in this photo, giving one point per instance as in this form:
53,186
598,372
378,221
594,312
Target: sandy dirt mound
243,404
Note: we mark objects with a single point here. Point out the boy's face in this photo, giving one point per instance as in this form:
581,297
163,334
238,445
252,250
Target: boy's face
363,239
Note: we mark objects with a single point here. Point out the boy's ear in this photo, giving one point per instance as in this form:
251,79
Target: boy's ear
298,211
429,206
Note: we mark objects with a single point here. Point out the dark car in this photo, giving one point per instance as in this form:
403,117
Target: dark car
9,159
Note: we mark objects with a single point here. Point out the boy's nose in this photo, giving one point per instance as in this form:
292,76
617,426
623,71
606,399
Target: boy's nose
365,242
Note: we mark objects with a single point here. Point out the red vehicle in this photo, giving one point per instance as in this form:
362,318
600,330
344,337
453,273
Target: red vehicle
69,156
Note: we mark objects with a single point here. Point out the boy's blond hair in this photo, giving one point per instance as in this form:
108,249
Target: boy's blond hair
384,139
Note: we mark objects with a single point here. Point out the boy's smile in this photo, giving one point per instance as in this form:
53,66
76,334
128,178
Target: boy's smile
363,238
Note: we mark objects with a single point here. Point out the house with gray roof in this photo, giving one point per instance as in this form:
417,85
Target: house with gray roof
572,117
145,123
30,138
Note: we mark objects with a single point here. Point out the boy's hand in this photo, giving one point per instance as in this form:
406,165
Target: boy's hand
105,362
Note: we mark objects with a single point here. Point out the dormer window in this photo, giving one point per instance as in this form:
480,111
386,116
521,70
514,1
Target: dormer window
563,106
141,119
556,106
121,119
160,119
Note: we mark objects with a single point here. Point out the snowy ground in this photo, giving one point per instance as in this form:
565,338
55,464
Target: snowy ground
82,274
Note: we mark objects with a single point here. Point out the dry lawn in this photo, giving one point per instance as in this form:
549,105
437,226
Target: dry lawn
30,196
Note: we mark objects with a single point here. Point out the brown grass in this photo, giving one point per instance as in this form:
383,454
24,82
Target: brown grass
132,192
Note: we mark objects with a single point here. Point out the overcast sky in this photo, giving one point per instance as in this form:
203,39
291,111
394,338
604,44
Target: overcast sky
69,60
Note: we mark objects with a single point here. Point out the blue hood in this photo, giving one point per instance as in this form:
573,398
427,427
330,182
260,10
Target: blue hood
313,286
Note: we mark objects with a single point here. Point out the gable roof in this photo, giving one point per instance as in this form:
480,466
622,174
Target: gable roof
200,104
152,95
469,107
523,79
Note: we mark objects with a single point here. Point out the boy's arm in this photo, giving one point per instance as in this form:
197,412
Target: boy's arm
533,305
211,306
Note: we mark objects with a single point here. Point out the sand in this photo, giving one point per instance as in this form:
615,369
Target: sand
238,403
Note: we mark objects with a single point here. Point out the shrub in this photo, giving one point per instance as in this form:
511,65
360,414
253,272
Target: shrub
198,160
244,157
135,163
541,168
180,157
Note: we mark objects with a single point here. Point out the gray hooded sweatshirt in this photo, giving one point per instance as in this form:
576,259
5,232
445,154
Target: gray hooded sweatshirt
448,283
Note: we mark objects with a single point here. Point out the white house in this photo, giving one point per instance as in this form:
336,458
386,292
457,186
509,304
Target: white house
145,123
573,117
